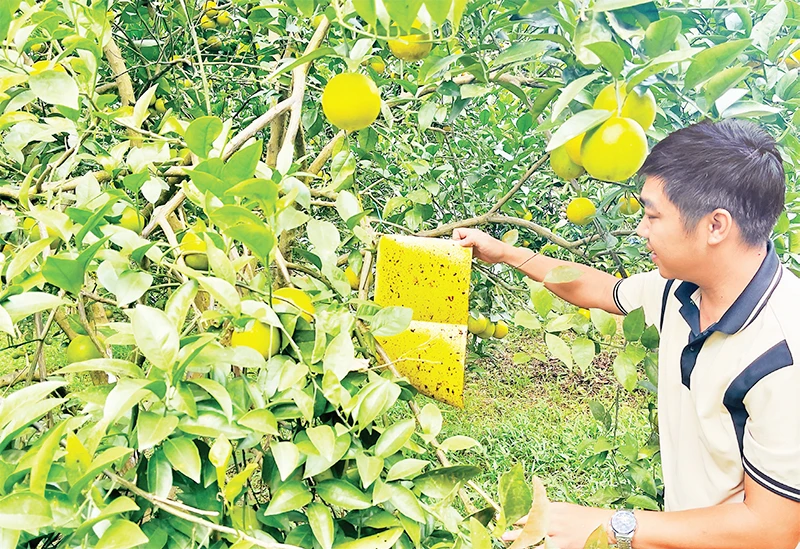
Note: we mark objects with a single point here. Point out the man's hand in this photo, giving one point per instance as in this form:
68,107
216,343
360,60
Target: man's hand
570,525
484,247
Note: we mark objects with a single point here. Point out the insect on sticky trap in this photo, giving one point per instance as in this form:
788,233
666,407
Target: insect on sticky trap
431,277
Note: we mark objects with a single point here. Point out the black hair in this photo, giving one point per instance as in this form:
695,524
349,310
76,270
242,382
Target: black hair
733,164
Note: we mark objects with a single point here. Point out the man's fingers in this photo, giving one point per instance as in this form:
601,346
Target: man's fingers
512,535
463,238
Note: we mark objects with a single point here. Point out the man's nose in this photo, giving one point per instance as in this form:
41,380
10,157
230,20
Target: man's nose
642,229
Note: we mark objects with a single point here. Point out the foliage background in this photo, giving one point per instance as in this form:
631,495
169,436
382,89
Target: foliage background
219,131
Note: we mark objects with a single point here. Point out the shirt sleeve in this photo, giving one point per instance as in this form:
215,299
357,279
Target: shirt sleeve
771,445
644,290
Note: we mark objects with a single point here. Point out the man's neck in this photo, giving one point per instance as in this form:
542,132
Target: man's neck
733,272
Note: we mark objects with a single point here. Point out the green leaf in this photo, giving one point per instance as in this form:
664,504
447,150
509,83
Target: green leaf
366,9
290,496
610,55
458,442
258,237
640,501
659,64
184,456
721,82
633,325
576,125
562,274
520,52
406,469
320,519
394,437
765,31
406,502
45,457
343,494
527,320
122,534
152,428
430,421
438,10
625,371
438,483
643,479
515,497
120,505
383,540
155,336
159,474
242,164
23,305
650,337
611,5
558,348
25,259
583,352
286,456
261,421
571,91
604,322
590,31
116,366
317,464
542,299
660,36
201,134
598,539
55,88
180,302
25,511
403,12
235,485
369,468
709,62
391,321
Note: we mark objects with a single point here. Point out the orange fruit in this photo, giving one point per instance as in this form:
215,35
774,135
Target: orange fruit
259,336
580,211
351,101
562,164
615,150
573,148
295,301
81,348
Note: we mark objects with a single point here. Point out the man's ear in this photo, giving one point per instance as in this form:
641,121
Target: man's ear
718,226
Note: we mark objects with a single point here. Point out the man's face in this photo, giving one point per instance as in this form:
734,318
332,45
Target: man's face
676,253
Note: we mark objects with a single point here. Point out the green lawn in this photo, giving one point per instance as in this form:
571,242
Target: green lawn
538,414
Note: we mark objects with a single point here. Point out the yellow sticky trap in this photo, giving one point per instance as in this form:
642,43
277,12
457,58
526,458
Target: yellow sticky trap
431,355
431,277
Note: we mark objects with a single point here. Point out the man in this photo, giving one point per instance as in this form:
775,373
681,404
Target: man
729,318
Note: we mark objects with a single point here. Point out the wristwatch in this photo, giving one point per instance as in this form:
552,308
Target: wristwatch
623,524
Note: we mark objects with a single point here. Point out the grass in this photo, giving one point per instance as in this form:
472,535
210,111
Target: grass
538,414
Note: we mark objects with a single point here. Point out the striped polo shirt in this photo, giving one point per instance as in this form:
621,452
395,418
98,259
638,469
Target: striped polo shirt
729,395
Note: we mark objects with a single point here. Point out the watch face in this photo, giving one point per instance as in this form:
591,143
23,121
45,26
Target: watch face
623,522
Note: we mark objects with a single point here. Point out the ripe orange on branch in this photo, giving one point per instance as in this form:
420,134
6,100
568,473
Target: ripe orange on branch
411,47
351,101
82,348
264,339
580,211
293,300
562,164
636,105
615,150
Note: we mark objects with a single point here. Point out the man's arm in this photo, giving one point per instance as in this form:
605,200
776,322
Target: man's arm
764,520
594,289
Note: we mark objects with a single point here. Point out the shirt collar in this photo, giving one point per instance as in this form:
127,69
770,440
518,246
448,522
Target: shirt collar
747,305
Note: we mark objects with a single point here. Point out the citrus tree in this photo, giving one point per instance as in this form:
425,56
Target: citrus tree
192,195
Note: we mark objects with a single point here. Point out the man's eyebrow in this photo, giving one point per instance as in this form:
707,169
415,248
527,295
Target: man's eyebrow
647,203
